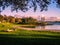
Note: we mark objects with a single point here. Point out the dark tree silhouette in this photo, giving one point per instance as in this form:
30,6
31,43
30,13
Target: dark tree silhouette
25,5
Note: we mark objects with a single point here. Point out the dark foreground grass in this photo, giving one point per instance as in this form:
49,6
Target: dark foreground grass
28,41
30,38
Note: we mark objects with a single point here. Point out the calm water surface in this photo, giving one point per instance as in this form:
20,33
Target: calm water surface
54,27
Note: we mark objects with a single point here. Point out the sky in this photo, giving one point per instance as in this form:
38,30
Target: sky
52,11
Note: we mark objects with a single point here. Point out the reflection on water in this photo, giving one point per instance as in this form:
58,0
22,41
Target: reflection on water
56,27
40,27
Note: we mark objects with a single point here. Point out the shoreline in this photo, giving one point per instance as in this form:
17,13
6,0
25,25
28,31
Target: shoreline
35,29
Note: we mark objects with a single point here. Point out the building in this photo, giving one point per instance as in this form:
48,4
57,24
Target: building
42,18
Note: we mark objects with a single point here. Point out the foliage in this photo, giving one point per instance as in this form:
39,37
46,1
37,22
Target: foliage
28,26
24,5
5,26
18,20
1,18
28,20
43,23
11,19
5,18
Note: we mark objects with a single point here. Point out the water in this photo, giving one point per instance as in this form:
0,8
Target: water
51,27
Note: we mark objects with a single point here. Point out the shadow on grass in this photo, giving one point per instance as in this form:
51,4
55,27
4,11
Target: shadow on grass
5,40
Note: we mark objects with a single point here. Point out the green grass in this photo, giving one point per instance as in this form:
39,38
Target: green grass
28,26
27,37
24,37
5,26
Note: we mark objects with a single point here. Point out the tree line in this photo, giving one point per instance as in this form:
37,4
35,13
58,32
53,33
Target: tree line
23,20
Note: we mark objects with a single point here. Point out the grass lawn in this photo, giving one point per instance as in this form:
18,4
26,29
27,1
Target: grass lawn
28,26
26,37
5,26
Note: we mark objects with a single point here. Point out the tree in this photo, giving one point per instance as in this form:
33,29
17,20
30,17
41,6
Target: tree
24,5
23,20
6,18
18,20
1,18
29,20
11,19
